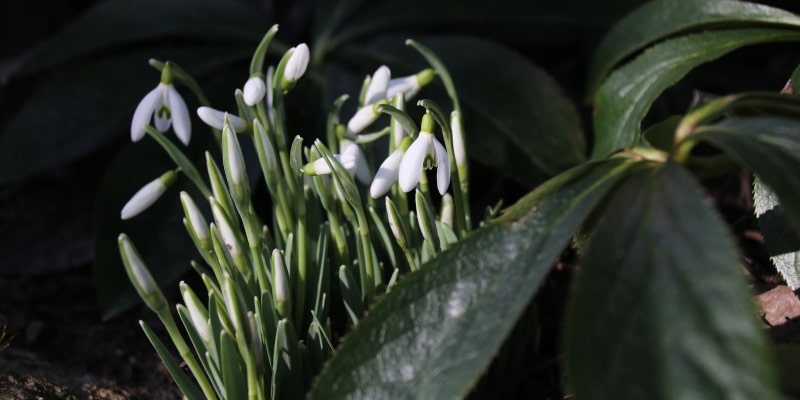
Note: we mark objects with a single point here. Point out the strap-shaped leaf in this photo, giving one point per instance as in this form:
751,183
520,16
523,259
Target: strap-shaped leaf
657,20
436,331
627,95
661,310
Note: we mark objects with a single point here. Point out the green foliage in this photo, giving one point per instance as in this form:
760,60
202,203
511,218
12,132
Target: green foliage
660,309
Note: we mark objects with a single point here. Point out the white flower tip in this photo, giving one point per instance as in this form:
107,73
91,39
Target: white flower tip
297,63
363,118
137,267
143,199
442,167
377,86
216,119
254,90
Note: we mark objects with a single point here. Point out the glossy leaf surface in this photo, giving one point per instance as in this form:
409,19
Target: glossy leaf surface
437,330
661,309
625,97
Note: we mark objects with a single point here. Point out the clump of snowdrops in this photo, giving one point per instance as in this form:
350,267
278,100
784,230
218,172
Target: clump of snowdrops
339,228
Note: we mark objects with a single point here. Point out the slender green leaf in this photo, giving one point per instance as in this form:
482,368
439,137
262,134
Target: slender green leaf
185,383
110,25
627,95
661,309
436,331
657,20
512,111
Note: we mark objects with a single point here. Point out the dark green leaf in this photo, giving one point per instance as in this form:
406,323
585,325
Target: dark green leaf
661,309
769,147
513,114
660,19
112,24
624,99
781,237
74,116
436,331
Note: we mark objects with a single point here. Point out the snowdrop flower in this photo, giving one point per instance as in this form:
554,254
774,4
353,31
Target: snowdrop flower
147,195
140,276
320,167
363,118
361,170
254,90
377,85
296,65
388,171
166,107
216,119
410,85
424,153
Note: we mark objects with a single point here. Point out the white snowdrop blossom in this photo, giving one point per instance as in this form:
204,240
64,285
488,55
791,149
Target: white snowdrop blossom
363,118
424,153
147,195
320,167
409,85
166,107
254,90
297,64
350,149
378,85
387,174
459,151
216,119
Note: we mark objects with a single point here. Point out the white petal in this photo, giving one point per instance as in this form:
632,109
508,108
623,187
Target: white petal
442,167
162,118
408,85
216,118
377,86
282,290
386,175
200,323
144,198
411,166
181,122
254,90
297,63
350,149
362,119
144,112
320,167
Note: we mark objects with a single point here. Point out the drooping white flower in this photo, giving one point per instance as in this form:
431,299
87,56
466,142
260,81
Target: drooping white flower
410,85
363,118
296,65
387,174
378,85
166,107
350,149
254,90
320,167
147,195
425,153
216,119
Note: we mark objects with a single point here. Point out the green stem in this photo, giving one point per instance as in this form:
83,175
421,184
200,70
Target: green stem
186,353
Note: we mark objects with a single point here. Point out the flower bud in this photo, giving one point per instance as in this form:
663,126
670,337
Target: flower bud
254,90
147,195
